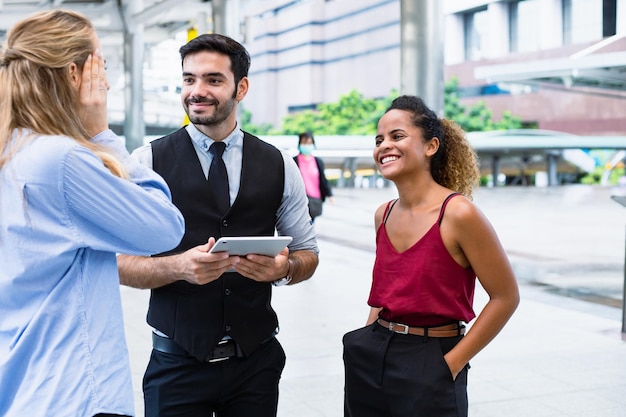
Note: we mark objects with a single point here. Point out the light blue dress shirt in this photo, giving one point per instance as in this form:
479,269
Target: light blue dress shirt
63,217
292,218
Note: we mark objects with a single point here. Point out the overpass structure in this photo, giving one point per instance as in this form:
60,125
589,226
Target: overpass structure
515,153
599,68
128,29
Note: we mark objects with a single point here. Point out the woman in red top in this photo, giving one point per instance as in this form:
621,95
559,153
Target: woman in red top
412,357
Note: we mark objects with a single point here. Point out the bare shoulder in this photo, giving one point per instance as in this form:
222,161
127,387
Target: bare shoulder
378,215
461,210
381,209
466,224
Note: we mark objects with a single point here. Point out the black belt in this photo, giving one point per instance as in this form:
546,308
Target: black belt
224,350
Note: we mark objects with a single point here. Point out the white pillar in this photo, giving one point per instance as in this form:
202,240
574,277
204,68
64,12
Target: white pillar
621,17
550,24
218,8
498,39
134,125
421,46
454,39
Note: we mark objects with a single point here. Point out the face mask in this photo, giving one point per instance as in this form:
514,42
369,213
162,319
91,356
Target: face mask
306,149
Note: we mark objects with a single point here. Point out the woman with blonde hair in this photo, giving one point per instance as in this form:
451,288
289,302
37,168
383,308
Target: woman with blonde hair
70,199
432,243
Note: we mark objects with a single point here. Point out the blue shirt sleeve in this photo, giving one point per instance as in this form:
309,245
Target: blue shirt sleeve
293,214
134,216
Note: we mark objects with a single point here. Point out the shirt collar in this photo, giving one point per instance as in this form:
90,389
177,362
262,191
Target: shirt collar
204,142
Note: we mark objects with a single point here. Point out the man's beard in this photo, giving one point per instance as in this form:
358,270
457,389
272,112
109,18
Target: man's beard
221,111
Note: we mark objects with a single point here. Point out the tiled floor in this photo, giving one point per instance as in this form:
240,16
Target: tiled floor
557,357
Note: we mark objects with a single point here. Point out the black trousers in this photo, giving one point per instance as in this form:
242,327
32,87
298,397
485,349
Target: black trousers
182,386
395,375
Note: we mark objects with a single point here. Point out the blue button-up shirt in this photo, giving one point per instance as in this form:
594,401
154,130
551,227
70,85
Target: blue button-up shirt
63,217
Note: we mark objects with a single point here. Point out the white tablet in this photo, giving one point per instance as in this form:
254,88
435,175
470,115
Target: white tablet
259,245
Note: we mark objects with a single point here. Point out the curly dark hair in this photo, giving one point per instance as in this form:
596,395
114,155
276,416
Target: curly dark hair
455,164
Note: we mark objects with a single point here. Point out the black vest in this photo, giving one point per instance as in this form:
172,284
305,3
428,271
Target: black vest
197,317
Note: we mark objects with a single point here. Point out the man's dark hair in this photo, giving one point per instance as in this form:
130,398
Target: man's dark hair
213,42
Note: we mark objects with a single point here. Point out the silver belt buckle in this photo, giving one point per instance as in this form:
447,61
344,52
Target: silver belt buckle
225,358
392,325
218,359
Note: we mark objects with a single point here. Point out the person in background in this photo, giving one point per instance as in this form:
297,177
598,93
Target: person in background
214,345
312,171
412,357
70,199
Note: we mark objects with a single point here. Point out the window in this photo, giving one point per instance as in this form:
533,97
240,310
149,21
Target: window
609,17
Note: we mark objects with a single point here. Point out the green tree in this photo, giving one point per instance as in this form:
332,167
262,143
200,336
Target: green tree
351,115
354,114
508,121
304,121
452,107
478,117
245,118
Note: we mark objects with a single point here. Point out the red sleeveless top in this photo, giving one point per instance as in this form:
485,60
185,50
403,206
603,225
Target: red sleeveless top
422,286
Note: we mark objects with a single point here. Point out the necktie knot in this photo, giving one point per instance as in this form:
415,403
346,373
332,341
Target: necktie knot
217,149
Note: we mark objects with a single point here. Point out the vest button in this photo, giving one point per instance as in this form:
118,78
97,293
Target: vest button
227,328
225,223
227,291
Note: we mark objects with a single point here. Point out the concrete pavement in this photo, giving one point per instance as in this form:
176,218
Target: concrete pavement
560,355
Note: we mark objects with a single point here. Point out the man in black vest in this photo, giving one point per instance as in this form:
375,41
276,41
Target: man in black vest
214,350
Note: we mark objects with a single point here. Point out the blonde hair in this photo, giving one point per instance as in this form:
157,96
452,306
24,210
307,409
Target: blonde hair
36,92
455,164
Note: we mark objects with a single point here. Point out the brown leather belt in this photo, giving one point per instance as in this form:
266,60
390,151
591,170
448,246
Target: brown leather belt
447,330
